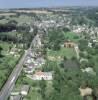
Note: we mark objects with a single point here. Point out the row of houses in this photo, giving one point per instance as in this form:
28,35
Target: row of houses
30,66
32,62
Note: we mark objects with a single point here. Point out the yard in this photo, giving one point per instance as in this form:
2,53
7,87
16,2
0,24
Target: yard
71,36
33,95
68,52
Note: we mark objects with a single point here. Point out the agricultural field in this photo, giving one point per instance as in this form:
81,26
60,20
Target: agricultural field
20,19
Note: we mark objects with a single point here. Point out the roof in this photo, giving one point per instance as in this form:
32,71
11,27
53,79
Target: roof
25,88
39,73
85,92
18,97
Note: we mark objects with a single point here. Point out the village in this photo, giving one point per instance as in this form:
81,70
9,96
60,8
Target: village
49,54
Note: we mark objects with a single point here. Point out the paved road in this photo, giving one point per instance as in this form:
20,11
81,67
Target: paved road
8,87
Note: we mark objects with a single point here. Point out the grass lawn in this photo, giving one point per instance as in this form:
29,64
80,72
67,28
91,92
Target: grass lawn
33,95
72,36
68,52
95,59
5,46
3,21
20,19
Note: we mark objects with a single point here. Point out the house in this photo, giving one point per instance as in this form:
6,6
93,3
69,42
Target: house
28,60
89,70
85,91
28,70
17,93
13,51
40,60
24,90
69,44
90,45
39,75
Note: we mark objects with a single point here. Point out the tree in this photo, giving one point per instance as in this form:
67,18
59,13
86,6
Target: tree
42,85
1,50
83,44
55,39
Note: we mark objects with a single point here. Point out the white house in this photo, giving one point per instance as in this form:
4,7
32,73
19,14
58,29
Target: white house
24,90
86,91
39,75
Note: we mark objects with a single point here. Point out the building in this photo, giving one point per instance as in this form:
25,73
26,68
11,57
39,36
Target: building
89,70
39,75
69,44
85,91
28,70
17,97
24,90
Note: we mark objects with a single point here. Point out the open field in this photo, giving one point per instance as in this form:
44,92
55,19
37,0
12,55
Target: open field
21,19
71,36
33,11
3,21
7,14
68,52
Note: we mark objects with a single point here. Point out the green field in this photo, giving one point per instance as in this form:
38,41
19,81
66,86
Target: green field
34,87
68,52
71,36
21,19
33,95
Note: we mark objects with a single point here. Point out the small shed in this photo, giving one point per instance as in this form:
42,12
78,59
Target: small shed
86,91
25,89
17,97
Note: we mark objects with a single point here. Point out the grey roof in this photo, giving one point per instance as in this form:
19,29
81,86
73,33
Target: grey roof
25,88
18,97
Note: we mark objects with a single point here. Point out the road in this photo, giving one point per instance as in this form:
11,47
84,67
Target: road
8,87
77,51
